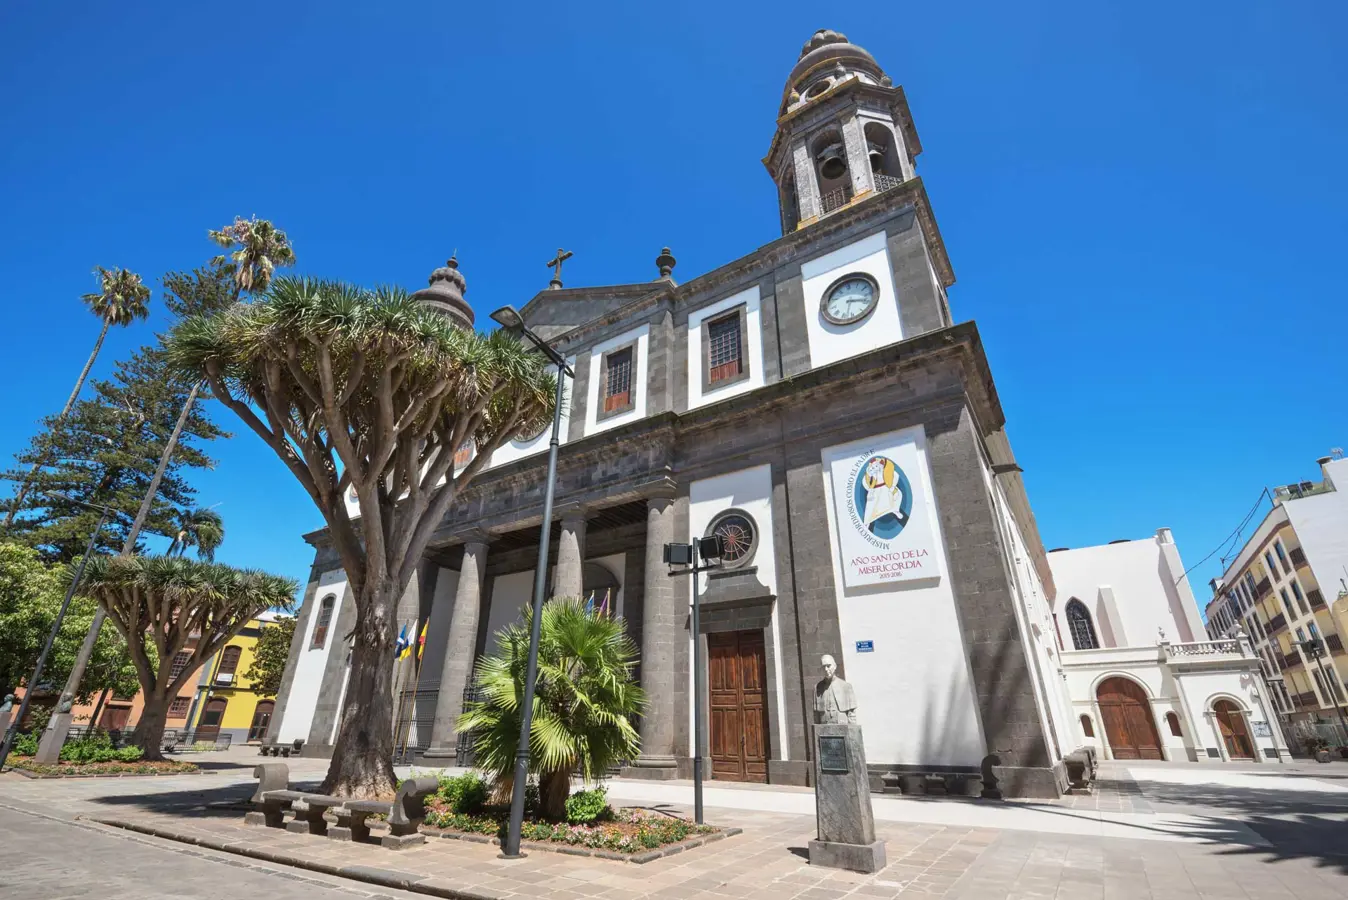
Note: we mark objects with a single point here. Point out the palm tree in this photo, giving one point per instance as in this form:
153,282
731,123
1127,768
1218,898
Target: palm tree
120,300
160,603
583,703
200,528
259,249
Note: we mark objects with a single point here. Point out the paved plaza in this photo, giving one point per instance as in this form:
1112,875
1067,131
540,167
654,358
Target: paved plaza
1158,831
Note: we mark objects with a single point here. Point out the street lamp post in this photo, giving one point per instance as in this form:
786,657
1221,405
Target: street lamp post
51,639
702,554
510,319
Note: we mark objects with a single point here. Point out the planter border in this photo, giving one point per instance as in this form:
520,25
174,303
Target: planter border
639,857
19,770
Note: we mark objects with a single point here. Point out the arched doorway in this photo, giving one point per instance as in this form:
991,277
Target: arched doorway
1231,723
261,719
1129,726
208,727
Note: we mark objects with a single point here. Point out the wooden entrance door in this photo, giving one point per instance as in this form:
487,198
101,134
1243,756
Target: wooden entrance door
736,679
1234,734
208,726
1129,725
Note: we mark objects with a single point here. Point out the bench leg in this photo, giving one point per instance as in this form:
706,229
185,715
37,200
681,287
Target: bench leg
270,815
400,837
310,821
342,830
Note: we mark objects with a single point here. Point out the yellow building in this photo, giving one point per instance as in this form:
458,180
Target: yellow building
225,702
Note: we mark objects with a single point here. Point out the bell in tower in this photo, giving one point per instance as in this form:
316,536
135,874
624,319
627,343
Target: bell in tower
844,132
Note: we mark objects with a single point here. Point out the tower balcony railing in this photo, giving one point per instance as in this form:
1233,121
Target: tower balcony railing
835,199
885,182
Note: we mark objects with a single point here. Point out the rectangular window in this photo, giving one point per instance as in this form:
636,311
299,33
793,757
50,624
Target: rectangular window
1282,557
1301,599
178,708
179,663
618,380
1287,602
724,348
1249,585
1301,636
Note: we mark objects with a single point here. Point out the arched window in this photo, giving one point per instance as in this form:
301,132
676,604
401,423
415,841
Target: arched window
1173,721
229,662
324,621
1087,727
1081,628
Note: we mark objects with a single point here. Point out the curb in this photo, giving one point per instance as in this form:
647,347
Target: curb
42,776
640,858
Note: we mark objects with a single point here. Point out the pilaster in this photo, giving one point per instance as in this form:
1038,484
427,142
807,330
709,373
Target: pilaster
459,654
660,631
858,159
569,578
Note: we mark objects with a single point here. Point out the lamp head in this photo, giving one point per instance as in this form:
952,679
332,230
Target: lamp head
509,318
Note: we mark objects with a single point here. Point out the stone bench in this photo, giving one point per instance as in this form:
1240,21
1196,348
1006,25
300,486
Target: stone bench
273,798
405,815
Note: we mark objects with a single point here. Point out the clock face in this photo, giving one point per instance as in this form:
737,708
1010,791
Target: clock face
850,300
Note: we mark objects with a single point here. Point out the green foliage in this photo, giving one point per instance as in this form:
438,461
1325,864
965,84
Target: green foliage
203,529
269,657
628,831
259,248
97,748
466,793
584,807
121,298
30,597
584,699
26,744
106,453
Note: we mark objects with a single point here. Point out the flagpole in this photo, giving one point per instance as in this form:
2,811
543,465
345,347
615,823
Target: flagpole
400,685
420,646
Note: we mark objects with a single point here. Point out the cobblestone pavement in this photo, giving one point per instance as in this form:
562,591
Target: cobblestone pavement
1203,832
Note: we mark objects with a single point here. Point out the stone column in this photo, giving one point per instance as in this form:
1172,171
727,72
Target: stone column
660,632
858,159
807,183
458,665
569,580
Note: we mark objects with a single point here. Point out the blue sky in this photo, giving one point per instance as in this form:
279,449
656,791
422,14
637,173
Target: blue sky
1144,203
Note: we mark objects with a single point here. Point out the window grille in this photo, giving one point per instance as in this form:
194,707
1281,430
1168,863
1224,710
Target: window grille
723,348
1080,626
618,389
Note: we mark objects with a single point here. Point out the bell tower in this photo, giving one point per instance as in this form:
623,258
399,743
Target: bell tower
843,132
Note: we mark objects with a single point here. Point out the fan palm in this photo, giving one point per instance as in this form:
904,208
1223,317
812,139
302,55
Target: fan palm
120,300
583,703
200,528
259,249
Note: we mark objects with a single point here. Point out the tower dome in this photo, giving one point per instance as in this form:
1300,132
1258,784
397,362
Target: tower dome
445,293
826,60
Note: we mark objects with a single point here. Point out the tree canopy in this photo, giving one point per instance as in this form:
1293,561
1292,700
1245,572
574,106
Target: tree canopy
270,654
30,597
161,604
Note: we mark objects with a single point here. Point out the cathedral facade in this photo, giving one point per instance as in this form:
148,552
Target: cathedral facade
815,404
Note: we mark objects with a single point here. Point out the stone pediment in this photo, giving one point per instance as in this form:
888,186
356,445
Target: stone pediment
729,588
553,313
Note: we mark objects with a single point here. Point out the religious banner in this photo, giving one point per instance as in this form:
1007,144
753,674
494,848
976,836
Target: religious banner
882,504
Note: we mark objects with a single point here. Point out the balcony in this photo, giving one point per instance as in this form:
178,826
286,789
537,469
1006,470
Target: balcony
1334,643
1307,699
885,182
1289,660
1301,489
1262,589
1277,623
835,199
1203,648
1298,557
1316,599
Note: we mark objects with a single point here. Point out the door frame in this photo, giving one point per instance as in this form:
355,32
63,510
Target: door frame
1103,738
744,614
196,732
1213,717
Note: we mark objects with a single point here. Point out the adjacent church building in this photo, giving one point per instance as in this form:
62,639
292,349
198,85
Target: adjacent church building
813,402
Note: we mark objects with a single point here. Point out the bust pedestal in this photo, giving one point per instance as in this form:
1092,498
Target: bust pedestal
842,802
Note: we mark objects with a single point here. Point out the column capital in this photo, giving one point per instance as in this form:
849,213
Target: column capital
663,487
473,536
572,510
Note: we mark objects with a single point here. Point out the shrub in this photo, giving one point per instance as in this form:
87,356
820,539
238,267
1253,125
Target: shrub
97,748
584,807
465,794
26,744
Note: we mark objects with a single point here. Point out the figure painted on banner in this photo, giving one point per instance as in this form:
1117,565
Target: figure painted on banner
835,703
884,485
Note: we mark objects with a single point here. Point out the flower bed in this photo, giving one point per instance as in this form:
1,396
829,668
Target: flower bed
25,765
626,832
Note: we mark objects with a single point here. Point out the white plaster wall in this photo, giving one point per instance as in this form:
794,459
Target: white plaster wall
592,422
749,490
308,678
830,343
914,692
1321,524
1137,574
752,348
513,450
616,564
1203,689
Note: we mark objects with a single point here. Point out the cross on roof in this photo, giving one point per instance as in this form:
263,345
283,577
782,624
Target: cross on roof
556,265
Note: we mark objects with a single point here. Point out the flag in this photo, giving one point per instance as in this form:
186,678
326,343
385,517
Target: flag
421,641
589,604
400,648
603,604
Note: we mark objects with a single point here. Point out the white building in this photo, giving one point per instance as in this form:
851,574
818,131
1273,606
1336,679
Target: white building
1278,588
1142,677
